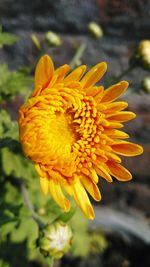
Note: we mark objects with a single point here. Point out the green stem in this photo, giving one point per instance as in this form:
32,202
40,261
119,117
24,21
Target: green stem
30,206
78,55
50,261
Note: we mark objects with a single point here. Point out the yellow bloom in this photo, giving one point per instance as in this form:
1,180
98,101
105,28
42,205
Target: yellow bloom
68,128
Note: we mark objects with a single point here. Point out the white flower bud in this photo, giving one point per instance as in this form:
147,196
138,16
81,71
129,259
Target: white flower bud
95,30
53,38
144,52
146,84
55,239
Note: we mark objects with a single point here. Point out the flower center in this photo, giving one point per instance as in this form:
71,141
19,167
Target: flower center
62,130
64,133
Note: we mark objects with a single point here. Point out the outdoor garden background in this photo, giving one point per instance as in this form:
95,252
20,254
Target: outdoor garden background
120,234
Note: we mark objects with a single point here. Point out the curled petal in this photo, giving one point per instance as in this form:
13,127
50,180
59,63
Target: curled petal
94,91
43,73
114,124
103,172
94,75
126,148
94,176
116,106
82,200
75,75
121,116
61,72
58,195
91,187
44,185
114,91
119,172
113,133
113,157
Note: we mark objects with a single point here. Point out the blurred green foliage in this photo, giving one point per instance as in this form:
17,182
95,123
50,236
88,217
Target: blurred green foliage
13,83
7,38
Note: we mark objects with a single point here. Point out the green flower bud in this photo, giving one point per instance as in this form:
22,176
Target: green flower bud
53,39
144,53
55,239
36,41
146,84
95,30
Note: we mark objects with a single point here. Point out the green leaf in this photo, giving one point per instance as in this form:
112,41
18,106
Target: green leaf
66,216
13,83
8,128
16,165
9,213
7,39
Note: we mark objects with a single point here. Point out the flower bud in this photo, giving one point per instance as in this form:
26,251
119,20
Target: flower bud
53,39
36,41
95,30
146,84
144,53
55,239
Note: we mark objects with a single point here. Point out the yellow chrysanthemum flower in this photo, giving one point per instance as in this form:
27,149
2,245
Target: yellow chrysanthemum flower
68,128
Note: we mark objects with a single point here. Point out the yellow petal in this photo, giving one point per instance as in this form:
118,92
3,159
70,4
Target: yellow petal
44,72
119,172
121,116
114,124
99,95
103,173
114,91
82,200
116,106
40,171
126,148
93,91
113,157
61,72
68,188
94,176
113,133
91,187
75,75
94,75
58,195
44,185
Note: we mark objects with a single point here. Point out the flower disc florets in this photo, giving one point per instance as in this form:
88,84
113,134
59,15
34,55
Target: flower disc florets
68,129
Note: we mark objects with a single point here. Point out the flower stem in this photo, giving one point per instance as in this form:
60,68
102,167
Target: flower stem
76,59
50,261
30,206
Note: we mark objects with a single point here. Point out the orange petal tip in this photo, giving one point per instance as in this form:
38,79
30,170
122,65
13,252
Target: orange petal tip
44,71
125,84
90,212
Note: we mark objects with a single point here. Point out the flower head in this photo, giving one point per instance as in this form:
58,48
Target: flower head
69,129
55,239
